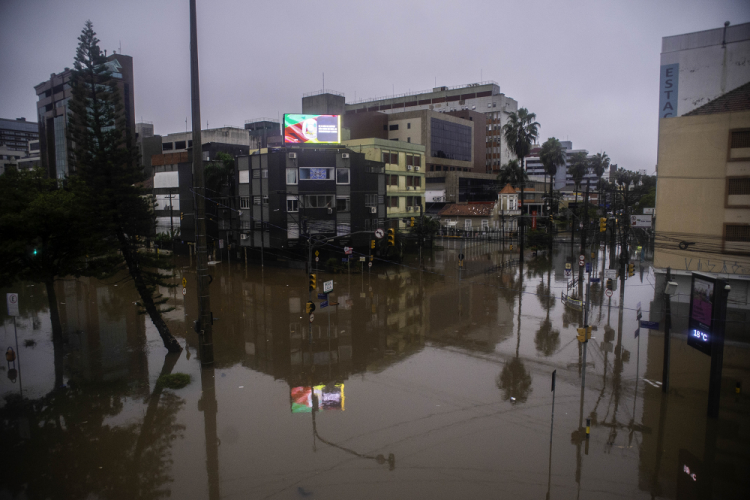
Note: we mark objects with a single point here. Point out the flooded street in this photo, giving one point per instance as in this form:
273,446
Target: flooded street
431,383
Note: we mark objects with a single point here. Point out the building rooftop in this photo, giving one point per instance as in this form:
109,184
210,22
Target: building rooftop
734,100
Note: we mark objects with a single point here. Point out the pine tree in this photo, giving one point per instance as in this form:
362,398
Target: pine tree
105,159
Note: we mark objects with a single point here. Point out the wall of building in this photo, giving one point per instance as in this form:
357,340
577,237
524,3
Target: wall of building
693,167
324,103
706,68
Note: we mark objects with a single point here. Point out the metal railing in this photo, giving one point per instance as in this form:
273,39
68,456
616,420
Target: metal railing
431,91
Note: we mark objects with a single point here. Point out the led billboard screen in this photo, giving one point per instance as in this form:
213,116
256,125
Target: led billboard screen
312,129
700,319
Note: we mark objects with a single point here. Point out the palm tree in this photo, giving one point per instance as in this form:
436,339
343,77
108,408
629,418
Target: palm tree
599,165
520,132
552,156
579,167
512,173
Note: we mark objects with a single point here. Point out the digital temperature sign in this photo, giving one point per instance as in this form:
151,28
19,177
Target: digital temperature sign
702,306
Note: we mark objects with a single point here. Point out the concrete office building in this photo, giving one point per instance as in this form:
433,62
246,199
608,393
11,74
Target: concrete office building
331,191
323,102
699,67
52,110
182,141
404,176
265,131
484,97
16,134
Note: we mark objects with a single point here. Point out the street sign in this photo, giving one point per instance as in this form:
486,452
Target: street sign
610,273
317,259
651,325
184,282
460,256
568,272
184,291
348,250
312,317
568,265
640,220
608,293
362,259
595,280
581,258
581,263
328,286
324,304
369,264
379,233
588,267
322,296
580,225
317,253
12,300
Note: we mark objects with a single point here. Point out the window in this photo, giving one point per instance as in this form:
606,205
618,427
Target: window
393,180
315,174
291,176
485,225
740,139
246,224
167,146
393,127
265,199
256,174
342,176
740,186
179,145
450,140
292,204
392,201
256,200
467,224
417,182
343,204
738,232
343,228
408,125
394,158
292,231
319,201
244,176
244,202
409,181
417,161
386,157
408,139
409,201
265,173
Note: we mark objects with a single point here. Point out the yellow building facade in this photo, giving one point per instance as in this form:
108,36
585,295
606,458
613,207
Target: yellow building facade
404,176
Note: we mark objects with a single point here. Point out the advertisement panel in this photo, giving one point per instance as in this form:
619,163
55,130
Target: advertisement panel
702,303
312,129
320,397
640,220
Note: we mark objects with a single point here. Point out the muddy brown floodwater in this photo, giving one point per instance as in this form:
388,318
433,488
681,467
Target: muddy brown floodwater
417,384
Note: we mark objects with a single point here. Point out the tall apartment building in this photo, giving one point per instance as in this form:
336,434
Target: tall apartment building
16,134
483,97
535,167
52,110
332,191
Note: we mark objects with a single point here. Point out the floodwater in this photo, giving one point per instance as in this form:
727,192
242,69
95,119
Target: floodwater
417,384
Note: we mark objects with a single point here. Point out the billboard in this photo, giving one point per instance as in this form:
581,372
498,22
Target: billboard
312,129
319,397
640,220
700,319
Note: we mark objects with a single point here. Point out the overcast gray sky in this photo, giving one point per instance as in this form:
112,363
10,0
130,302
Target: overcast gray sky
588,69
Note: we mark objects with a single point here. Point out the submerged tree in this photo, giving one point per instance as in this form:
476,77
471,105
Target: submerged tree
105,159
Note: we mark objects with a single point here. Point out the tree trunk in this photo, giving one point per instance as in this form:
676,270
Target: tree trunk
146,298
57,337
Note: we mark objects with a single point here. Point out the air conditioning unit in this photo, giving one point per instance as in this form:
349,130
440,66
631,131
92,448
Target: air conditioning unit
243,236
373,210
292,156
409,209
409,188
416,169
345,156
408,167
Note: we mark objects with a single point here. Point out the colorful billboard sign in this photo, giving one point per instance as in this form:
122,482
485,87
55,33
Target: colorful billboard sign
319,397
312,129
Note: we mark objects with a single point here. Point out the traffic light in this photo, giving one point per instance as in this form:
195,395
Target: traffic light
603,225
609,283
313,282
391,237
182,215
309,307
372,243
631,269
584,334
412,222
551,219
34,252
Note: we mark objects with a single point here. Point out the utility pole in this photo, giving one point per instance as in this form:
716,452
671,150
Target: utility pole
585,227
521,225
667,325
204,297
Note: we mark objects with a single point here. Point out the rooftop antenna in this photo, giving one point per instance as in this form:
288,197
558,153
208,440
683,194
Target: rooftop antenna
120,49
724,41
324,81
481,75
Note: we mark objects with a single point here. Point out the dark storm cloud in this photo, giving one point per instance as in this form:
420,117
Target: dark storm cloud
588,69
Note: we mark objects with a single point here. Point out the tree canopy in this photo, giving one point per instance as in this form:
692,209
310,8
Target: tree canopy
521,131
